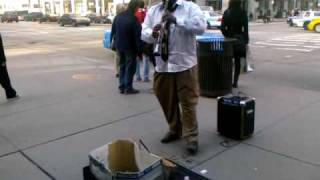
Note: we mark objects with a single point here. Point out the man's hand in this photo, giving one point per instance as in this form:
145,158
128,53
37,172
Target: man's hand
155,32
169,18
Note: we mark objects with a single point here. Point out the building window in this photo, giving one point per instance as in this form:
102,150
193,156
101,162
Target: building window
36,6
25,5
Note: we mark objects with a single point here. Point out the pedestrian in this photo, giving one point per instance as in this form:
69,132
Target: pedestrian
4,76
175,23
127,31
140,14
119,9
235,25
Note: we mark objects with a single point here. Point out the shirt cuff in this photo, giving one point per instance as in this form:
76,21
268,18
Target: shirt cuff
147,36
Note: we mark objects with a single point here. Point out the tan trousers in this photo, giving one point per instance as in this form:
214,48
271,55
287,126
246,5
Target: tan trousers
177,91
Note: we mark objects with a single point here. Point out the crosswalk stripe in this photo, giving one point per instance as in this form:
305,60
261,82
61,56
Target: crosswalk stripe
315,47
297,42
295,49
274,44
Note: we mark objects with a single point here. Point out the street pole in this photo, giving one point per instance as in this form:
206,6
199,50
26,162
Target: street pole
39,5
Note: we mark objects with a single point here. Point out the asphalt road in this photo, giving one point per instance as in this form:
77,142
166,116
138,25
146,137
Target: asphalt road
295,50
70,105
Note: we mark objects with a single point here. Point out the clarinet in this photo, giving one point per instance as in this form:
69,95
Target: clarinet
158,44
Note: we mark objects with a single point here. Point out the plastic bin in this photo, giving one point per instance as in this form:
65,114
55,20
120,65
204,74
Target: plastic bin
215,64
106,39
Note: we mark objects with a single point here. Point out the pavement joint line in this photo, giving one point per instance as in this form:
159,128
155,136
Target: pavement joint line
9,141
10,153
89,129
37,165
215,155
42,106
282,154
270,151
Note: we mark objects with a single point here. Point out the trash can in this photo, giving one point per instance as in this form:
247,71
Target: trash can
215,64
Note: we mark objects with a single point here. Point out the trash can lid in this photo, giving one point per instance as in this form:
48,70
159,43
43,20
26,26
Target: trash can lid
209,37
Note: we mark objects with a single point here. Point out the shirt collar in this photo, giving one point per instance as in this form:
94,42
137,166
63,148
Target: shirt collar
179,3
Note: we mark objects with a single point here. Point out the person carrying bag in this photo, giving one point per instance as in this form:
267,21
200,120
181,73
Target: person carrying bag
235,25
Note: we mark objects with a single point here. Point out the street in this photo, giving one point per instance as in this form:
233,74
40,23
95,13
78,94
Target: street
70,105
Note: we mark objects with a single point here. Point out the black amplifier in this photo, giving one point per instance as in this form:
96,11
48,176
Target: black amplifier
236,116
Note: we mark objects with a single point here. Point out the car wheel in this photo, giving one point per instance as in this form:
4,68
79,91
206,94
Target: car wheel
88,24
61,24
317,28
74,24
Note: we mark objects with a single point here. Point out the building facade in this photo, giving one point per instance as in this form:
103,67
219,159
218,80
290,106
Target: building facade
255,8
59,7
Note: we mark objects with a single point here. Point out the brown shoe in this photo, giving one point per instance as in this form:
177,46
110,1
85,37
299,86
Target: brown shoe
192,147
170,137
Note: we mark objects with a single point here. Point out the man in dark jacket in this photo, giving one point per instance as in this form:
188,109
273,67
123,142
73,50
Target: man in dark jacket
235,25
126,31
4,76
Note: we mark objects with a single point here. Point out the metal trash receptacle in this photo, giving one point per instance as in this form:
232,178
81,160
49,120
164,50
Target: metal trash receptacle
215,64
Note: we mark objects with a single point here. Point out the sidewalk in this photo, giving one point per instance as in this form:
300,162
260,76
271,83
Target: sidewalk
62,116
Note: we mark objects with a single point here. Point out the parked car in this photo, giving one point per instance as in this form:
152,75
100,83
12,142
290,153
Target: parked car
74,20
206,8
21,15
213,19
93,18
33,16
10,16
99,19
306,16
48,18
110,17
289,19
314,25
106,20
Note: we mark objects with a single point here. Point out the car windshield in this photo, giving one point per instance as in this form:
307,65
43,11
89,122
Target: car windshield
213,13
10,13
74,15
206,8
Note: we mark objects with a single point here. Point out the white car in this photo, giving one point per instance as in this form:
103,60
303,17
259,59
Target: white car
306,16
213,19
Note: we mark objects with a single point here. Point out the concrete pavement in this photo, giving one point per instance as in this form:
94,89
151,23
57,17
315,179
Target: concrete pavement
70,105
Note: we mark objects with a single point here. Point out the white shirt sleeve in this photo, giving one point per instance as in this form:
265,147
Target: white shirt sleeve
147,27
195,23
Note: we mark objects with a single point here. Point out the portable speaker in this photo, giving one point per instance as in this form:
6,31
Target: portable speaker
236,116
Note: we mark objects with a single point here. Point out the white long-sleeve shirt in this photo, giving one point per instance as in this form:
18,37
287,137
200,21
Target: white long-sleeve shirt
182,40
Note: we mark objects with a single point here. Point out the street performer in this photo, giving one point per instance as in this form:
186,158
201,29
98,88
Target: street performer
174,24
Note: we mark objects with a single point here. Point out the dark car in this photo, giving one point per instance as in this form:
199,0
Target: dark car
21,15
33,16
74,20
105,20
48,18
10,17
98,19
93,18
